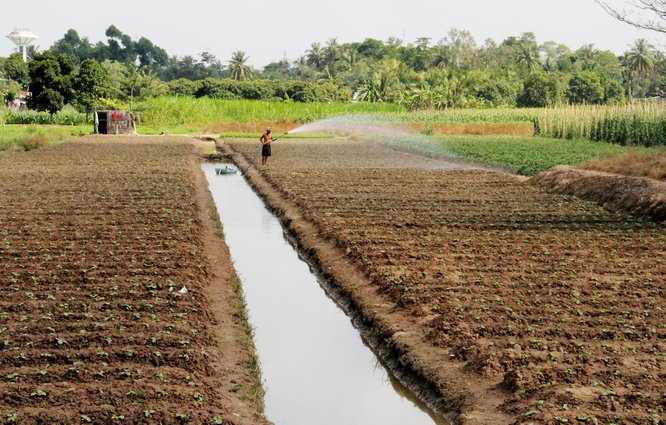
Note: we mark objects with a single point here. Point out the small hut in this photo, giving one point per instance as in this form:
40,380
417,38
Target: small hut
113,122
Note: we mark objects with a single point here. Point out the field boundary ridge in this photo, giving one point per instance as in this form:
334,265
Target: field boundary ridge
639,196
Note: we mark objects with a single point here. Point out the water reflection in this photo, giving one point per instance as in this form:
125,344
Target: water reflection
315,366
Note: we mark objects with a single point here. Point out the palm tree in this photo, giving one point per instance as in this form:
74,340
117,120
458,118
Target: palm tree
349,59
586,55
315,56
639,63
639,58
302,68
529,57
332,51
238,67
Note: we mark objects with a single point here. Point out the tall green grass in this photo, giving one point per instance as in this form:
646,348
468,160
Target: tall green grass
202,112
29,137
641,124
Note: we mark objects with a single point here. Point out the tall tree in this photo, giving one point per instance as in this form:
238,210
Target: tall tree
238,67
149,54
640,63
90,83
456,49
551,53
50,82
15,69
639,59
72,45
332,51
316,56
120,46
528,56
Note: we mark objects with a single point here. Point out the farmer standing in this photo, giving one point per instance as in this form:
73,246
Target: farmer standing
266,140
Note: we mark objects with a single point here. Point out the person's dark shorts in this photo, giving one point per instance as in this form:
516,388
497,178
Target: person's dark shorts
266,150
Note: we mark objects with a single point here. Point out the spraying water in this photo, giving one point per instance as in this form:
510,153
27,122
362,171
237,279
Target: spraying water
381,130
352,125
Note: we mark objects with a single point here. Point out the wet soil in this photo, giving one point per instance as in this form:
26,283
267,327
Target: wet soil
116,303
518,305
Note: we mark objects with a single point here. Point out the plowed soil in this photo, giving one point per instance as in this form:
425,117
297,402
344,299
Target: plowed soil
552,301
113,308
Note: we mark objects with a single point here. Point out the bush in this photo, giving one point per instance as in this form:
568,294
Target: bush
218,89
298,91
181,87
33,142
65,117
497,92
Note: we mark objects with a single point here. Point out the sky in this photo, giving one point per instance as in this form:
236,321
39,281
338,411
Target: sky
271,30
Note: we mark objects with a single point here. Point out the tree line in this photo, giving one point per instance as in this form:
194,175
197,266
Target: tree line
455,71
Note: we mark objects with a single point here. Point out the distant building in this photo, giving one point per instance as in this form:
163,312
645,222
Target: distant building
20,101
113,122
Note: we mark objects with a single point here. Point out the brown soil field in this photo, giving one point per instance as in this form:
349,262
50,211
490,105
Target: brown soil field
98,238
522,306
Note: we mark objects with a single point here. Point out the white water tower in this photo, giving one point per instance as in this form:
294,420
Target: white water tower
22,38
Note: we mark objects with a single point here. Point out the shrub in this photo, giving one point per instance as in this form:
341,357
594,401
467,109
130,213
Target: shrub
67,116
181,87
298,91
34,142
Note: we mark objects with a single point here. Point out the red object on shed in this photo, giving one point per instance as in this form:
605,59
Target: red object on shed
114,122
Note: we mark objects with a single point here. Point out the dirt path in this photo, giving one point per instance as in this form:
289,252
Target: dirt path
235,360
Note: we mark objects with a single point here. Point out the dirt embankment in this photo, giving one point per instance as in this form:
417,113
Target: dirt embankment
640,196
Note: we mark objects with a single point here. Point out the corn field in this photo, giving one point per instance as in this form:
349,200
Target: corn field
178,111
640,124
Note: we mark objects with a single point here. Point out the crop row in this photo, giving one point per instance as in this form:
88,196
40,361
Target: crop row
538,292
101,312
641,124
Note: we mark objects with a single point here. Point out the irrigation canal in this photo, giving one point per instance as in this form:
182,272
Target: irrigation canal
315,366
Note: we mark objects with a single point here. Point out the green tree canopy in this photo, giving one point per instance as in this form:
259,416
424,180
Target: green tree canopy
90,83
586,87
15,69
50,82
73,46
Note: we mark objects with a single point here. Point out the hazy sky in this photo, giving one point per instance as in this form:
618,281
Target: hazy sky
269,30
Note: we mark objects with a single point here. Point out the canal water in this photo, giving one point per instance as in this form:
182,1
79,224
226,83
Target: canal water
315,367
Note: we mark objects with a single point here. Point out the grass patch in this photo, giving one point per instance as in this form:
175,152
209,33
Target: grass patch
29,137
523,155
157,130
637,163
